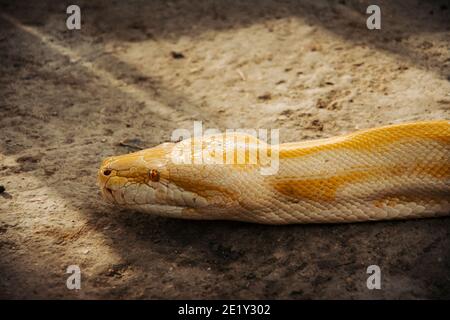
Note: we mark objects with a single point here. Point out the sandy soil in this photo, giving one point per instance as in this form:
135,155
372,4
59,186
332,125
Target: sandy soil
138,70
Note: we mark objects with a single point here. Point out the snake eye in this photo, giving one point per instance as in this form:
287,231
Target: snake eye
107,172
153,175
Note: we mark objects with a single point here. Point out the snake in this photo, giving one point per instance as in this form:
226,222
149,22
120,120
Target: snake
398,171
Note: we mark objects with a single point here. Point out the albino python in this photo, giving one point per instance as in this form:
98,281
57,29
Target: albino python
393,172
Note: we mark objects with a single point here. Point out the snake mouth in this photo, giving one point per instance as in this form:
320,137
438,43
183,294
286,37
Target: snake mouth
109,192
160,209
108,195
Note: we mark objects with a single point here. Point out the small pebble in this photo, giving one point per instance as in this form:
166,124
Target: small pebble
177,55
2,189
265,96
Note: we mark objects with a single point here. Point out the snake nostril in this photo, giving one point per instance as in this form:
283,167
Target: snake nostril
107,172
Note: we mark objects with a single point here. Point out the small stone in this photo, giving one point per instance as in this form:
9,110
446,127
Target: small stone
321,104
2,189
177,55
265,96
316,124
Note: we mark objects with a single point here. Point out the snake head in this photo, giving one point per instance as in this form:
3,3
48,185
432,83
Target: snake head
160,181
134,179
149,181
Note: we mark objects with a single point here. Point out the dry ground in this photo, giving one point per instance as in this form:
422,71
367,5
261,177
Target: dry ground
309,68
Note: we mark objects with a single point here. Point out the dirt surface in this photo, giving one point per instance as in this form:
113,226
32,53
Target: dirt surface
138,70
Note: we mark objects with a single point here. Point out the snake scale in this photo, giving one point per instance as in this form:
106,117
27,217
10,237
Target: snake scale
394,172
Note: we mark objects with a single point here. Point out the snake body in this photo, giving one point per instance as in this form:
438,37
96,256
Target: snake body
392,172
